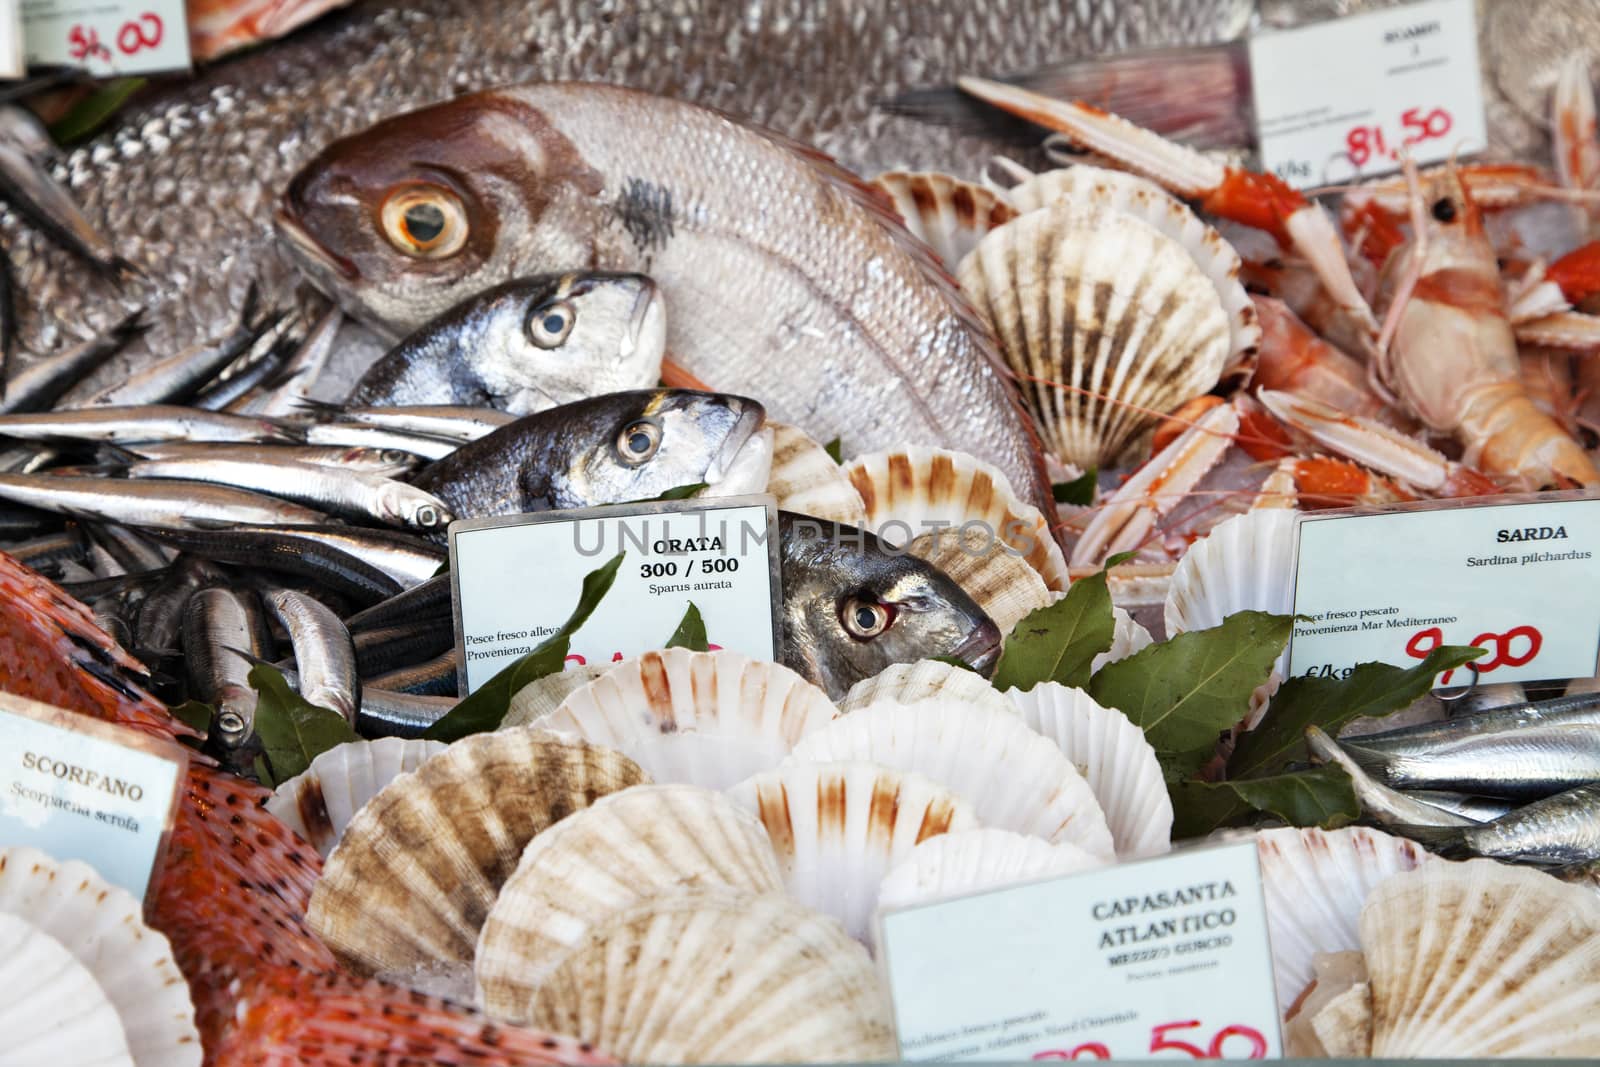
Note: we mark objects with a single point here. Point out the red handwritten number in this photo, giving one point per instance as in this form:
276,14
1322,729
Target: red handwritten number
140,33
83,42
1158,1038
1503,648
1099,1050
1258,1043
1364,143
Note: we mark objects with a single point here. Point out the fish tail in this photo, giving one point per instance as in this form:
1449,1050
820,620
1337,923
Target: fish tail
1447,841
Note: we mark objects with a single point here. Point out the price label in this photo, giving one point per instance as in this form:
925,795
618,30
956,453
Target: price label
1339,101
518,578
1162,959
80,789
1519,580
107,39
11,64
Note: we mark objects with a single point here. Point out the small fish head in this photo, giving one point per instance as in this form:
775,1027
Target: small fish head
406,504
416,214
647,442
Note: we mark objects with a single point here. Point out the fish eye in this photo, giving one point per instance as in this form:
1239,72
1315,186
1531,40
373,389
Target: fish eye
639,441
865,619
1444,209
425,221
549,325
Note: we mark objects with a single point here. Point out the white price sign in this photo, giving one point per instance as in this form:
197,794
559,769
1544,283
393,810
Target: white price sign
1341,100
1162,959
11,64
107,39
1519,580
518,578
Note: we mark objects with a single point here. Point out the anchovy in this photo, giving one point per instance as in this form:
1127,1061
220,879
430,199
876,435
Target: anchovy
1532,762
1478,809
363,435
324,656
145,422
133,552
393,647
324,559
1560,830
46,552
172,505
1387,806
385,713
454,423
435,677
430,599
1582,709
387,462
162,613
47,380
27,158
236,384
217,626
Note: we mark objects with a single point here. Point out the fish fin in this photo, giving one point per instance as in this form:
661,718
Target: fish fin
675,375
1447,841
321,410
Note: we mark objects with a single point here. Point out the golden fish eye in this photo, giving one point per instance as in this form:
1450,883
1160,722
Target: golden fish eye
638,441
549,325
865,619
426,221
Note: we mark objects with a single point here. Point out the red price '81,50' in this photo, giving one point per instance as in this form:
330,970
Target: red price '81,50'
1159,1041
1363,143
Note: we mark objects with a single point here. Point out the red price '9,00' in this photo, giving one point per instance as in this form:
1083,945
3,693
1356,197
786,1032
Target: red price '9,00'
1363,143
1512,648
1159,1041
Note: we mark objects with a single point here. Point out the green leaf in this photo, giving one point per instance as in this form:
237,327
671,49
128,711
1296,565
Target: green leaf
264,773
682,492
195,714
1370,689
484,709
94,110
293,731
1323,796
835,450
1079,491
691,632
444,568
1185,691
1058,643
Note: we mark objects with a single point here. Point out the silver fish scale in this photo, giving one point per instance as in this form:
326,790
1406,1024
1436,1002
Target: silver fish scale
185,185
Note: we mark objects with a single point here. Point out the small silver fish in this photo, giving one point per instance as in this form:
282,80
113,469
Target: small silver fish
1387,806
1533,762
1560,830
448,421
1577,710
144,422
217,627
291,386
324,656
390,463
173,505
47,380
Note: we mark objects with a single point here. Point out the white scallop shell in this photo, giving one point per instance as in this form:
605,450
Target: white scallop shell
1482,959
54,1012
614,855
1246,563
1014,778
917,490
1113,756
1127,637
543,695
908,683
103,926
958,864
1315,883
949,214
807,481
319,802
1096,187
1104,303
990,572
706,718
712,977
838,828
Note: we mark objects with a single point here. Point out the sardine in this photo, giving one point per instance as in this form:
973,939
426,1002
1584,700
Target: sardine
1387,806
390,463
1533,762
161,615
435,677
46,380
852,606
324,656
449,421
607,450
238,383
326,555
217,627
1478,809
530,344
383,650
145,422
857,334
427,600
171,505
1579,710
385,713
1558,831
365,435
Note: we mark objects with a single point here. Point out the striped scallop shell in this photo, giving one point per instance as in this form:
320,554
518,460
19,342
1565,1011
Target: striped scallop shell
54,1011
1246,563
971,861
319,802
909,683
990,572
1105,304
807,481
543,695
949,214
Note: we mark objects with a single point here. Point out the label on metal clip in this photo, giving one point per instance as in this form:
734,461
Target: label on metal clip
1165,958
1339,101
1519,580
107,39
517,578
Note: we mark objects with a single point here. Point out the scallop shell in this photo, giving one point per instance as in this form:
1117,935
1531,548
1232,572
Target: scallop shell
1127,637
53,1011
319,802
808,481
1107,304
914,490
1344,1025
1315,882
103,926
1304,1025
958,864
1245,563
1113,756
838,828
1015,779
908,683
420,865
991,573
1482,959
1097,187
717,977
949,214
706,718
543,695
626,849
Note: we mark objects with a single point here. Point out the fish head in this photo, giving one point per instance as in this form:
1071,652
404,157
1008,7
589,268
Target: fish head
416,214
644,443
853,607
406,505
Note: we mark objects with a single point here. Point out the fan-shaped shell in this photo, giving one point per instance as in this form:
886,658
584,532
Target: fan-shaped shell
1482,959
420,865
949,214
543,695
1097,187
1245,563
53,1011
1315,882
1114,758
711,978
103,927
915,490
706,718
319,802
1015,779
839,827
1104,303
808,481
627,848
909,683
953,865
1127,637
991,573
